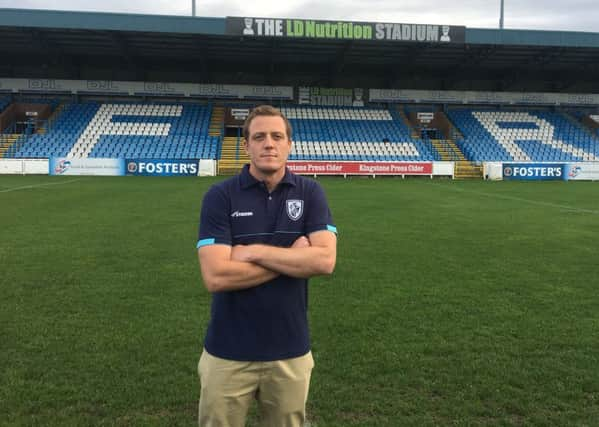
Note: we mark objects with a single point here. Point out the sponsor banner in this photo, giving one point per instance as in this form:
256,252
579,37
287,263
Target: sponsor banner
77,166
361,168
305,96
162,167
344,30
241,91
147,88
582,171
471,97
534,171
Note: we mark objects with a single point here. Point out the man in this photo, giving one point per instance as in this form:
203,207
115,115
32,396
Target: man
262,234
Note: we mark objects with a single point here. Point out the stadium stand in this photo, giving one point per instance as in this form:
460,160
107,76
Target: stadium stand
374,134
185,131
492,135
176,131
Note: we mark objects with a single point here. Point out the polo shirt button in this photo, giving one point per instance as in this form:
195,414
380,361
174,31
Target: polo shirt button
269,197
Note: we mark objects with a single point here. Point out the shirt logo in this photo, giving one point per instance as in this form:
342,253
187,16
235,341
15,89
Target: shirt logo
237,214
295,209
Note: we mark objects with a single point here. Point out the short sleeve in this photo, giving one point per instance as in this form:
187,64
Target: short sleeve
215,227
318,214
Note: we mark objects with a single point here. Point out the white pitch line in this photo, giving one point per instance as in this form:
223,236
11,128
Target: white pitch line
519,199
38,185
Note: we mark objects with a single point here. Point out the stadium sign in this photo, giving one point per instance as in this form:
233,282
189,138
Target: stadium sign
162,167
534,171
109,87
360,168
582,171
472,97
344,30
331,96
86,166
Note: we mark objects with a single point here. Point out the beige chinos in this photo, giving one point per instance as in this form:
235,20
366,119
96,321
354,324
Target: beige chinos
228,388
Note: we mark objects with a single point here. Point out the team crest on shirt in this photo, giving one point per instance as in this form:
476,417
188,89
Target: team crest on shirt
295,209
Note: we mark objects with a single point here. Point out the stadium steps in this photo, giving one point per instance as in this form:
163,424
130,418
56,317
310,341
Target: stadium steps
232,156
467,170
217,120
7,143
447,150
230,166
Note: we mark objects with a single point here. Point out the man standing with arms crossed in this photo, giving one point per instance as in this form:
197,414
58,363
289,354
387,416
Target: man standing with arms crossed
263,233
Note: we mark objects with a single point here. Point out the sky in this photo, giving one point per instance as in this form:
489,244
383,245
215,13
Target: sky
571,15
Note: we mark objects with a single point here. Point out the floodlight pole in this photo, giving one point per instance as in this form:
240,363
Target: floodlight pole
193,7
501,16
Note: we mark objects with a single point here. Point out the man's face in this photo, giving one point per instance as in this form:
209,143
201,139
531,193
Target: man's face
268,146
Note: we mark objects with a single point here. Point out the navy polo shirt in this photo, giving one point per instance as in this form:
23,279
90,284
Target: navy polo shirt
266,322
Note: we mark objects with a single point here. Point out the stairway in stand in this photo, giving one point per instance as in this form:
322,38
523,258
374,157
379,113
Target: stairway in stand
232,156
217,121
463,169
7,141
467,170
447,150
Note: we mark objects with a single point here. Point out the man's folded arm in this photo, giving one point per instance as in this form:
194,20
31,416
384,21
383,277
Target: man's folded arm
222,273
317,258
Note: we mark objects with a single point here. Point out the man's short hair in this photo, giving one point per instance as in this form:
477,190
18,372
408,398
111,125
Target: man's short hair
265,110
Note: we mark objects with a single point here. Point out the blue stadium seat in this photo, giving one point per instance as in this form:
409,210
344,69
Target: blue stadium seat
130,130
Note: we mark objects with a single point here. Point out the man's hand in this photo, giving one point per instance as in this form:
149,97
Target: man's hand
301,242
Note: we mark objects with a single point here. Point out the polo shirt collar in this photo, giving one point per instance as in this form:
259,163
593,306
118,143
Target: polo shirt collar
247,180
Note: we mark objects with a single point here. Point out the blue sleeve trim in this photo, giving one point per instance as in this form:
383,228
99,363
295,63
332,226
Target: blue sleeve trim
332,228
205,242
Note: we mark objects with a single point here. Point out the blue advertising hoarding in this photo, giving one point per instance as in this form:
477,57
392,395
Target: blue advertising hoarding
534,171
163,167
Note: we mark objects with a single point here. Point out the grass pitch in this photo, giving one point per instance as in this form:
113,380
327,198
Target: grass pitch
453,303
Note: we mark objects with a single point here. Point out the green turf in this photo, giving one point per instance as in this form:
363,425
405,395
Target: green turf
453,303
